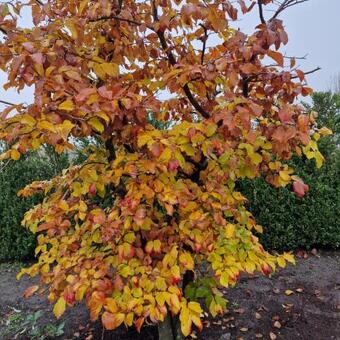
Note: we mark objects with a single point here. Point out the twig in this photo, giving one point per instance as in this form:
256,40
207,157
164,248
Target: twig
286,4
308,72
7,103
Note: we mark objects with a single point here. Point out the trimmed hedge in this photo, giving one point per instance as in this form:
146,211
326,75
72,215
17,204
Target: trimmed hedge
290,222
17,243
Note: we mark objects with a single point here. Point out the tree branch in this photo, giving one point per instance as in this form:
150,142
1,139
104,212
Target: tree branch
263,21
285,4
110,148
308,72
173,62
7,103
204,41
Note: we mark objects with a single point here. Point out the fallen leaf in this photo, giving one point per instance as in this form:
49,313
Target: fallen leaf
30,291
299,290
289,292
258,335
258,316
239,310
272,336
276,290
277,324
244,329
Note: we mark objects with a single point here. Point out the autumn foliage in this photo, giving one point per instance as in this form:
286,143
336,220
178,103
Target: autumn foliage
127,227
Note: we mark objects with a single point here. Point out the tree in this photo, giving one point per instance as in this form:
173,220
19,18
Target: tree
127,228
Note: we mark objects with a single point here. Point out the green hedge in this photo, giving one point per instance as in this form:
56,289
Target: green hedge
290,222
16,243
312,221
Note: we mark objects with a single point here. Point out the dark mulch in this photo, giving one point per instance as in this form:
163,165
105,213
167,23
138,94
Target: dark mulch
259,307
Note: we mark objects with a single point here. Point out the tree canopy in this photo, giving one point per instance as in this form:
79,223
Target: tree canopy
127,228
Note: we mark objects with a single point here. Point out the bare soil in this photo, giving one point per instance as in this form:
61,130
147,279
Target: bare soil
298,302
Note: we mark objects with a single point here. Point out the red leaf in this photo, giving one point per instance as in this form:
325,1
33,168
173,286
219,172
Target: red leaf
300,188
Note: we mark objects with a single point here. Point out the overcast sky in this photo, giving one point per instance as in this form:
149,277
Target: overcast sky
313,28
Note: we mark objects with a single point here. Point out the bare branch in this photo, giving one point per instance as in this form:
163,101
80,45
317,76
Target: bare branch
308,72
204,41
263,21
173,62
284,5
7,103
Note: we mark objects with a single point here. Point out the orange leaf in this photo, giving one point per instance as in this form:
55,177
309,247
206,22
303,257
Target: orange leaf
30,291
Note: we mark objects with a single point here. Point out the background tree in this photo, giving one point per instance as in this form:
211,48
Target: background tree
127,228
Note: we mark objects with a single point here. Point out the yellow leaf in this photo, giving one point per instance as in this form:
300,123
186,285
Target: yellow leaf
187,261
82,6
230,230
81,292
185,321
195,307
45,125
111,305
110,69
211,129
289,257
27,119
281,262
165,155
289,292
325,131
143,139
224,279
99,71
256,158
319,159
284,175
188,149
59,307
96,124
250,267
67,105
15,154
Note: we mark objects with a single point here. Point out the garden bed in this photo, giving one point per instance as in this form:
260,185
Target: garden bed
298,302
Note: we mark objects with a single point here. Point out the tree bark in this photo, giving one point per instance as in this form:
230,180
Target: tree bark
165,329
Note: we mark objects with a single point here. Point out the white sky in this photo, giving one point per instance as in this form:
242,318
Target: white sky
313,28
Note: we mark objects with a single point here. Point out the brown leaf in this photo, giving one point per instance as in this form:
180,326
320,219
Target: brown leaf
272,336
30,291
277,56
277,324
258,316
239,310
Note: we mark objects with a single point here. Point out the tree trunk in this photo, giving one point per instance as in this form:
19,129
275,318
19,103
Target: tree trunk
165,329
170,328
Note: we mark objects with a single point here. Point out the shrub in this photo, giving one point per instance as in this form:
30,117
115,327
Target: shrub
16,242
290,222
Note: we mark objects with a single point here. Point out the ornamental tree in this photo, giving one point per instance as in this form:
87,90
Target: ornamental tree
127,229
